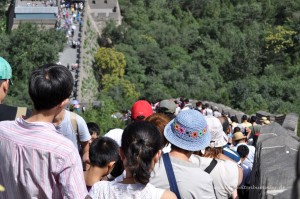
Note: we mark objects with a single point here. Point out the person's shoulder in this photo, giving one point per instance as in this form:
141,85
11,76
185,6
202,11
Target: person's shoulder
101,185
231,154
7,106
7,112
168,195
229,163
198,160
98,189
78,117
251,147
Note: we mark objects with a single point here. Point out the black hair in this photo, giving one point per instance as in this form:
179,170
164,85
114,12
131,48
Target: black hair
244,117
225,123
199,103
234,119
93,128
206,105
253,119
118,168
140,142
236,129
49,85
102,151
243,151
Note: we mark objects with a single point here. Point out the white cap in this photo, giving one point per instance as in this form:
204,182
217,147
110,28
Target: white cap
115,134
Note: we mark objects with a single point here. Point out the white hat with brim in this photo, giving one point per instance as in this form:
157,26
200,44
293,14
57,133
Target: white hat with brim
218,136
188,131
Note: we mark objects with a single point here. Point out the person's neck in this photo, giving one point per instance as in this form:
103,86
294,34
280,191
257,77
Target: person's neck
59,117
242,160
42,116
181,154
93,175
129,179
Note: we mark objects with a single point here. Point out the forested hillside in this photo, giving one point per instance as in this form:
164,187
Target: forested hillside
244,54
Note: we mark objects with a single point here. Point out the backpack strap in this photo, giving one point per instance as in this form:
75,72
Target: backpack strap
211,166
20,111
170,174
253,129
74,124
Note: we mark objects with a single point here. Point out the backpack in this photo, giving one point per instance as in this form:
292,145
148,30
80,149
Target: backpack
75,127
20,111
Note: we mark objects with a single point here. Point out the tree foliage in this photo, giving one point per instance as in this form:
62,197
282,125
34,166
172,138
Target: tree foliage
244,54
25,48
110,67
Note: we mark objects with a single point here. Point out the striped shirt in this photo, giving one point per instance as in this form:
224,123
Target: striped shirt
37,162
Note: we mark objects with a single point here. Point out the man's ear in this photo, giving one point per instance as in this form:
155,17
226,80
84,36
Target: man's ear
64,103
111,165
5,86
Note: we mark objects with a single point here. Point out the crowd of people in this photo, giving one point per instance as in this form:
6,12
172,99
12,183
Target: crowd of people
172,149
70,19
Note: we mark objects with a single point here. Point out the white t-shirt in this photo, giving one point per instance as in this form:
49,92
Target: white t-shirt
250,158
225,175
117,190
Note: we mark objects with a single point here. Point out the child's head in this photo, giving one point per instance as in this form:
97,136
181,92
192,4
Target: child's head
104,151
93,129
141,144
243,151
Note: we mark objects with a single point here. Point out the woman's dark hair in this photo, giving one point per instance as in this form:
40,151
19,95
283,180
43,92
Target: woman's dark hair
49,85
140,142
103,151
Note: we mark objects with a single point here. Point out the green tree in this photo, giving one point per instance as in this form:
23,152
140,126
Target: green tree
110,66
103,115
25,48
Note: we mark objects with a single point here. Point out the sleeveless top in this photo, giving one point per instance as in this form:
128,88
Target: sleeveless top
117,190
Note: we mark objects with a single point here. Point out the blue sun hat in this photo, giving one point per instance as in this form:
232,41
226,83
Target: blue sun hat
188,131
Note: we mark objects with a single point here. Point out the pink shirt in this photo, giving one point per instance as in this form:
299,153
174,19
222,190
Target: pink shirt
37,162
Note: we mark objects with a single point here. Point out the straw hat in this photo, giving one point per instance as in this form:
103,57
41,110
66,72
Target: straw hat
265,120
238,136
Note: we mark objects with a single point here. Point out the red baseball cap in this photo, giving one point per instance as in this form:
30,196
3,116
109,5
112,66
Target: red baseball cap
141,108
